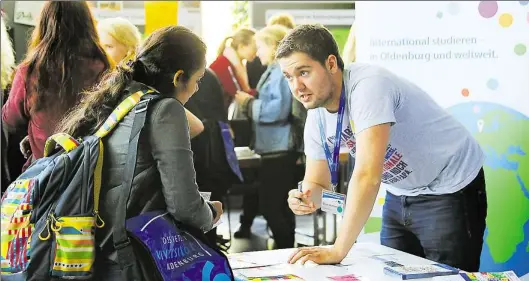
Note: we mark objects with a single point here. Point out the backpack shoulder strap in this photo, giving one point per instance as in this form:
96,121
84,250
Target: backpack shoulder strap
67,142
126,257
121,110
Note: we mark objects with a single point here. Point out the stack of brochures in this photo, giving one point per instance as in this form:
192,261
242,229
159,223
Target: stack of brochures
420,271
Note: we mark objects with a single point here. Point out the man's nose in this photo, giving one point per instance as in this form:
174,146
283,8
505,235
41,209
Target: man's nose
298,85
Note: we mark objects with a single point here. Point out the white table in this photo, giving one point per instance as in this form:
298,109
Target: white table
247,158
359,262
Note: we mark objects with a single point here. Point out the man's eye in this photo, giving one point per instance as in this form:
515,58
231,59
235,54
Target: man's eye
304,73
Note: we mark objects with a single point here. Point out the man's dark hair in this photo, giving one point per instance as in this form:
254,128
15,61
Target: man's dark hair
314,40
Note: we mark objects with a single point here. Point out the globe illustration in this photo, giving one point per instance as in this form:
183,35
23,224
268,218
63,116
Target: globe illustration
503,133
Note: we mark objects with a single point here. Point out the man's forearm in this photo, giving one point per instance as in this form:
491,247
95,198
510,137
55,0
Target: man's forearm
361,196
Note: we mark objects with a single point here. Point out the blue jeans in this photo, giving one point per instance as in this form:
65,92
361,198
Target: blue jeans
445,228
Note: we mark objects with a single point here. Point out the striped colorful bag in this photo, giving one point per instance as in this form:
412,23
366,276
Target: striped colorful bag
49,215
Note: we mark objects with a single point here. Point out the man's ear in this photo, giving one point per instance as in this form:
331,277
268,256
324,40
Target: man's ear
332,64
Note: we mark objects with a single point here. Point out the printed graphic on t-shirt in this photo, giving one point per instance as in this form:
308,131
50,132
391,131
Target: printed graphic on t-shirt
395,168
348,140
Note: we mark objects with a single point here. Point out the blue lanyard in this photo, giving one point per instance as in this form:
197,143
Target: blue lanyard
333,160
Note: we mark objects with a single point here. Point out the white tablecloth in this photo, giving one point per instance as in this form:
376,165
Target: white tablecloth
359,262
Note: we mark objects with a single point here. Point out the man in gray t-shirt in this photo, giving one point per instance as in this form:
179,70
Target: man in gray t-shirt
436,202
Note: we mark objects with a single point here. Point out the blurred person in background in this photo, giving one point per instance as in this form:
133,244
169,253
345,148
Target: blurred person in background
213,172
229,66
8,56
119,37
349,50
274,139
284,19
12,159
255,70
64,58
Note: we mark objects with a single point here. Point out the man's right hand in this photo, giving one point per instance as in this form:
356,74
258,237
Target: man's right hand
300,202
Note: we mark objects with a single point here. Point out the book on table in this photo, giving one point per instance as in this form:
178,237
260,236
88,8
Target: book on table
420,271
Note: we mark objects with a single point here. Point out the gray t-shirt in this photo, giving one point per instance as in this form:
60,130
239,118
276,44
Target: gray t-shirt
429,151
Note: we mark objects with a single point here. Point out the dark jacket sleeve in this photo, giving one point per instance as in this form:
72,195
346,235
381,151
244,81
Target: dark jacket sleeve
171,150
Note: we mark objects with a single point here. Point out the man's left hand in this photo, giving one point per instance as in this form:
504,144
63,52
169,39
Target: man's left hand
319,255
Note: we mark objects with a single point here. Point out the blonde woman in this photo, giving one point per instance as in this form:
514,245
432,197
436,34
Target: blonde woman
283,19
274,138
255,68
119,38
8,57
12,167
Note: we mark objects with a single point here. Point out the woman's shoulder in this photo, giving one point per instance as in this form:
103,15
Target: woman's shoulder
21,69
275,72
19,79
94,64
220,63
167,109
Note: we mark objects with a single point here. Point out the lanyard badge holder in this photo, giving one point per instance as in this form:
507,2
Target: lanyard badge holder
331,201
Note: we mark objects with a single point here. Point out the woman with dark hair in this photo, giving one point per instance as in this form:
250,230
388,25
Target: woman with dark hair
171,62
64,58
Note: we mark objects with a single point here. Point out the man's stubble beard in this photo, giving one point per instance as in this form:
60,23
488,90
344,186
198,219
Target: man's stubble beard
328,98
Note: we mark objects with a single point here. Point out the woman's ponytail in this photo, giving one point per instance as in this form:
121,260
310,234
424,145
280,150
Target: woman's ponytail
222,46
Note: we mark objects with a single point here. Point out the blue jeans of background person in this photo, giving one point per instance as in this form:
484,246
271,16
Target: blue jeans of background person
445,228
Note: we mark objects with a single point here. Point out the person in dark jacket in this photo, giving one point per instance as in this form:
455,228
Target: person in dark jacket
209,154
171,61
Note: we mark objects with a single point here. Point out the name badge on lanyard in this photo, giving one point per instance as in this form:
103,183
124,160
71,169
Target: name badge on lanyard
331,201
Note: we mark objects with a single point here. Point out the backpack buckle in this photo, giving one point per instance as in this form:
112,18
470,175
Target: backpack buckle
141,106
123,244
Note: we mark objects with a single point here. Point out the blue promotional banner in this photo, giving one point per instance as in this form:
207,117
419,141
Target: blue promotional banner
471,57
